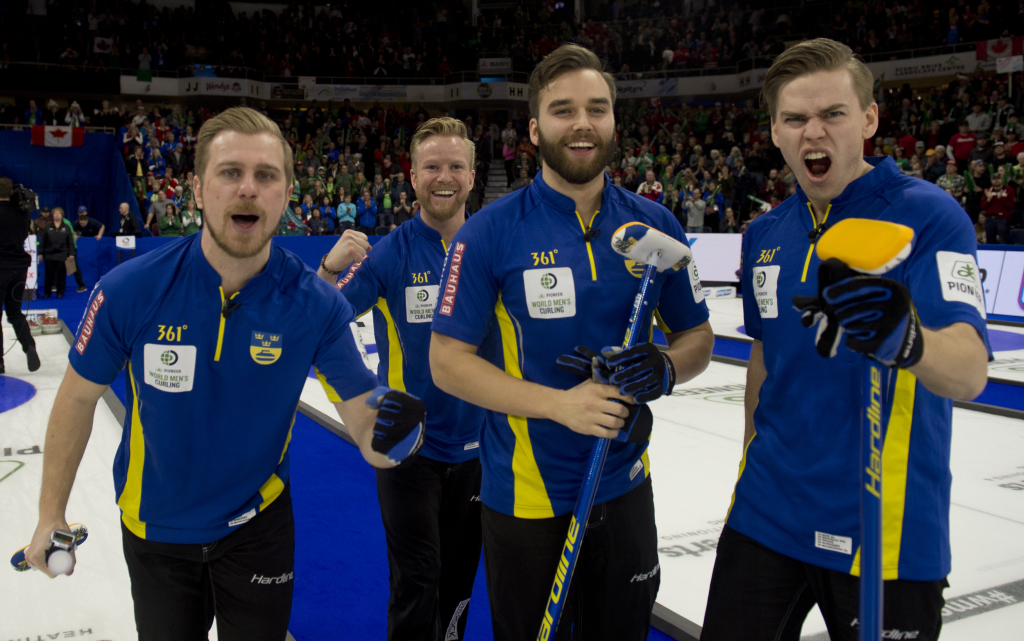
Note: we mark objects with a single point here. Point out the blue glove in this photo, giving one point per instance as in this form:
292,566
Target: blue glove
642,371
876,315
400,426
589,364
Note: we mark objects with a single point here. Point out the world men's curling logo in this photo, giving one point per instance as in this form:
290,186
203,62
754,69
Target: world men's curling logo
422,295
265,347
760,279
169,358
548,281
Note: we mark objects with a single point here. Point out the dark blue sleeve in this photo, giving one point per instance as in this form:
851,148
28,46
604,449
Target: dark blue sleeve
752,323
469,288
360,284
101,347
338,361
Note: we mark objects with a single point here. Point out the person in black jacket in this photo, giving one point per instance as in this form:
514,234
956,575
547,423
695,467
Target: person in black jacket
128,225
57,244
14,264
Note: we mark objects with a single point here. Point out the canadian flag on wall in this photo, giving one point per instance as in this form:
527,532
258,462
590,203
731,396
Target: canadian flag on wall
58,136
1000,48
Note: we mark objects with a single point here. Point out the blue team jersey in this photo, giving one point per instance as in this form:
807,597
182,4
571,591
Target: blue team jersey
524,265
211,400
799,487
399,279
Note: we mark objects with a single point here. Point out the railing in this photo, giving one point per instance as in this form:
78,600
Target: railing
95,130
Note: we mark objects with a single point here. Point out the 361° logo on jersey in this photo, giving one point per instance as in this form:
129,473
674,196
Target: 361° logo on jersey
265,347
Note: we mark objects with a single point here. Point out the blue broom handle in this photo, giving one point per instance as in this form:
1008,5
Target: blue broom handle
580,515
872,434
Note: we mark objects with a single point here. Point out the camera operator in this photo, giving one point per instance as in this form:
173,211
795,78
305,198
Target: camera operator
14,264
57,245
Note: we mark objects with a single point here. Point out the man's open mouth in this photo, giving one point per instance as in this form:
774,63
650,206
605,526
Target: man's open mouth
244,221
817,163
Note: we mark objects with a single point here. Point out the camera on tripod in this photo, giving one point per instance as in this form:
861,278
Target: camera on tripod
24,198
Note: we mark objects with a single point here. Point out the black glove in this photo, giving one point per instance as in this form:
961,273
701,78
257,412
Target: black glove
639,422
876,314
400,426
581,362
643,371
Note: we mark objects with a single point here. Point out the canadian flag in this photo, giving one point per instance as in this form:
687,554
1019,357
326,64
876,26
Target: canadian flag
1000,48
58,136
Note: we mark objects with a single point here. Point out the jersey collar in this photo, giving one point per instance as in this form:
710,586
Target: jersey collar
560,201
423,229
868,185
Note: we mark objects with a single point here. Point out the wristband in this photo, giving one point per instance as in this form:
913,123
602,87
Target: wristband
323,266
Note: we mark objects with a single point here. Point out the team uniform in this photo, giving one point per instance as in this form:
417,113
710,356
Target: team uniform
527,269
430,504
203,467
795,513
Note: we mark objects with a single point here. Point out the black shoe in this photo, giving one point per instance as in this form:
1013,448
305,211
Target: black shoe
81,289
46,295
33,359
60,295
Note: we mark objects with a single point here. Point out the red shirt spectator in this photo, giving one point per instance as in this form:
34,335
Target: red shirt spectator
963,143
908,143
997,201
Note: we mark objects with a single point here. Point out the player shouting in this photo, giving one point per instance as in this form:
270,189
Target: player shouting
430,504
793,531
207,326
537,269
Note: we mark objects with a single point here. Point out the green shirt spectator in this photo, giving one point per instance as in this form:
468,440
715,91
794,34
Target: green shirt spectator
169,223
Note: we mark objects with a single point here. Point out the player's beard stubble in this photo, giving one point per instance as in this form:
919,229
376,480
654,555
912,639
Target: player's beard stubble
572,170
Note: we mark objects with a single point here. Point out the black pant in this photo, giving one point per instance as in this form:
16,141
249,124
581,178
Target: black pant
245,579
56,274
616,580
431,513
509,178
12,291
758,594
997,231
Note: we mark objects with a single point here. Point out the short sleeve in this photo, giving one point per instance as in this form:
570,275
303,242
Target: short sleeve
338,361
681,305
469,288
752,324
942,270
360,285
101,347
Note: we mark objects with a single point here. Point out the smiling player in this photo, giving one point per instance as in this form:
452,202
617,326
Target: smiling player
792,534
537,269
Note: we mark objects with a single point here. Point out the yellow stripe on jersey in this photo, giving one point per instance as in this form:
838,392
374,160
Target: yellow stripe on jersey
396,377
662,325
743,464
274,485
647,463
590,251
130,500
332,394
810,250
220,332
530,496
895,458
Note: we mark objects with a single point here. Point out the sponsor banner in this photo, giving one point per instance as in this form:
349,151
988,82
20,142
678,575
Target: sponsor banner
717,256
336,92
926,67
286,92
213,86
495,65
1009,298
33,269
719,292
1010,64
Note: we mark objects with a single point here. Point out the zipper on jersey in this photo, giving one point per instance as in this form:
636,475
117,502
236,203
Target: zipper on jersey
586,237
220,333
814,243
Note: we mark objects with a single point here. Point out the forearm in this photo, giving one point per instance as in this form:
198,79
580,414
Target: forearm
471,378
690,351
756,375
67,435
954,363
359,420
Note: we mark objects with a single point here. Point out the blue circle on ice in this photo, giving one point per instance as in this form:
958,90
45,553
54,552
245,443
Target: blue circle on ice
1005,341
14,392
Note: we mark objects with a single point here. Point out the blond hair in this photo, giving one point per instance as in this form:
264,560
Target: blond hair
443,126
243,120
812,56
567,58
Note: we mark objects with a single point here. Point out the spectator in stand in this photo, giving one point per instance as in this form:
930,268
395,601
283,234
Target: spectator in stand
317,225
170,222
191,219
57,245
508,153
1013,144
86,227
403,209
982,152
346,214
961,145
328,212
401,185
999,157
157,208
934,165
997,206
74,116
366,213
976,181
650,189
523,180
695,206
40,223
979,121
157,164
33,115
178,160
523,163
952,181
773,186
137,165
127,225
728,223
